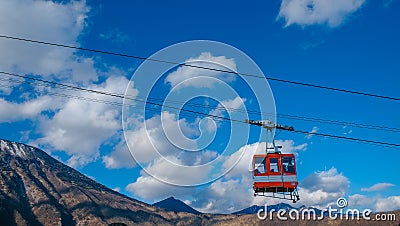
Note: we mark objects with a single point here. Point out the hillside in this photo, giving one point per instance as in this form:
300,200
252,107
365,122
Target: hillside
37,189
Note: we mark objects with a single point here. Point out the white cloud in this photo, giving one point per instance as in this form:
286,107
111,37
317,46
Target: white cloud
12,112
319,189
6,87
376,203
322,188
163,135
310,12
74,126
151,189
191,175
224,196
174,173
243,166
312,132
233,104
230,106
45,21
358,200
80,127
184,75
378,187
288,146
217,197
388,203
119,158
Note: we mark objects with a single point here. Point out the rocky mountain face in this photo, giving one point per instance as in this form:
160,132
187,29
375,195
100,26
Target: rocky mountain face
36,189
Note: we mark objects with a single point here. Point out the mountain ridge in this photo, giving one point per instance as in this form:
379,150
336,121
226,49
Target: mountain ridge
38,189
176,205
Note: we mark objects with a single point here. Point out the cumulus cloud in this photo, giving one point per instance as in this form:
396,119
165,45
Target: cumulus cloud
151,189
223,196
119,158
322,188
358,200
242,159
310,12
164,171
74,126
160,135
46,21
183,75
12,111
216,197
376,203
288,146
378,187
229,105
80,127
388,203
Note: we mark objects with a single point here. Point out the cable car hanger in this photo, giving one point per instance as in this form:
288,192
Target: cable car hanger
274,173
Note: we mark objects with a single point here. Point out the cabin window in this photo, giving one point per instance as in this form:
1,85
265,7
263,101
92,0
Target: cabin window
273,165
259,165
288,164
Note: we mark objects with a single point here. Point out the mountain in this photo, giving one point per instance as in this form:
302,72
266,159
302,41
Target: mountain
36,189
175,205
254,209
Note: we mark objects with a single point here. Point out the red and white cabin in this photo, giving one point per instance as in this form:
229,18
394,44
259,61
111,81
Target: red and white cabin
275,173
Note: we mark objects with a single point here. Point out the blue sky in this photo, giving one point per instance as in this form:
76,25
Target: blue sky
347,44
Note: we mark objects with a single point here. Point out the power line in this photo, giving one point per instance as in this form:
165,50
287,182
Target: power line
102,101
201,67
294,117
197,112
114,95
248,111
302,118
347,138
94,100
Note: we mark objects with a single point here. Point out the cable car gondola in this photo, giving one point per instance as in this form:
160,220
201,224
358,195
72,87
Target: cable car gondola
274,173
